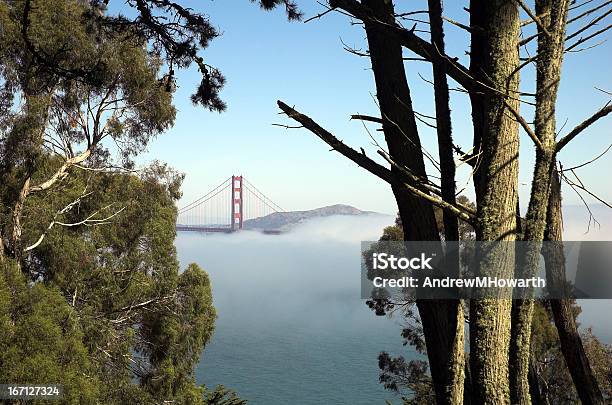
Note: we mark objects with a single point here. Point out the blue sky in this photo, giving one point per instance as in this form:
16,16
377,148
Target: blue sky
264,58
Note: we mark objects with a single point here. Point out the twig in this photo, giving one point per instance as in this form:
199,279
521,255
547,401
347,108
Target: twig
592,160
329,10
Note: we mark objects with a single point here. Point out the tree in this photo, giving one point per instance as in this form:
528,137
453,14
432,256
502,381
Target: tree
571,344
499,329
90,290
120,308
47,59
409,378
553,382
549,375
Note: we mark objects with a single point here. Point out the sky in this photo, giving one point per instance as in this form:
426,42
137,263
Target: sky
266,58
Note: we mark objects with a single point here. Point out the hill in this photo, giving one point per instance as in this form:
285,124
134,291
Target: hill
284,220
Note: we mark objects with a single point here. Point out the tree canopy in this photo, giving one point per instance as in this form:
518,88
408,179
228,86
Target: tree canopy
91,293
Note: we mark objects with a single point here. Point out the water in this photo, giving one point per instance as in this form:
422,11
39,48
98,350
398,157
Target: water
291,327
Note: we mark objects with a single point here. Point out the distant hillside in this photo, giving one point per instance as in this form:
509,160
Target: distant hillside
284,220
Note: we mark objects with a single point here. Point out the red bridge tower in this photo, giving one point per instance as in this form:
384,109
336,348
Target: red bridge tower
237,212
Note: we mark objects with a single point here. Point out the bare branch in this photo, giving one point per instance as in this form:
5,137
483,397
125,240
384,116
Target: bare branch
590,11
530,21
460,210
582,187
607,109
583,40
367,118
318,16
61,172
370,165
534,17
589,25
525,126
89,221
577,6
461,25
409,40
588,162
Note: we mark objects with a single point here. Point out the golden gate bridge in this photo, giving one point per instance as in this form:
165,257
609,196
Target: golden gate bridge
226,207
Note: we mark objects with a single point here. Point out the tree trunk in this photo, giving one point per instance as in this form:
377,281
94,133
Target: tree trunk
494,58
538,394
442,320
571,342
17,228
548,70
448,189
30,132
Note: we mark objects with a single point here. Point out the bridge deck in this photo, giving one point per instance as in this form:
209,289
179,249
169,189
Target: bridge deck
195,228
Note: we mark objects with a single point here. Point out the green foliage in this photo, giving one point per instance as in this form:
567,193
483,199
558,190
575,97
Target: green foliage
222,396
107,312
174,338
57,49
41,340
91,295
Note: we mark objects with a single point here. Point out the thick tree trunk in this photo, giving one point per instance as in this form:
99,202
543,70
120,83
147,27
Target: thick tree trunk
571,342
442,320
550,58
494,58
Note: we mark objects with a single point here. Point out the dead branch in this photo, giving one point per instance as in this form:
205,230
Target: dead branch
91,220
367,118
370,165
584,39
589,25
318,16
534,17
590,11
582,187
577,6
61,173
525,126
530,21
461,25
354,51
586,205
409,40
609,93
144,304
607,109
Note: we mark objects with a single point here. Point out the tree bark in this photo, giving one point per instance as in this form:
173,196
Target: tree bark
571,343
31,133
494,58
548,75
448,190
442,323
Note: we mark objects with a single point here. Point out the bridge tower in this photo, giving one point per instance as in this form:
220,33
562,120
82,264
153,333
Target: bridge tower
237,195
